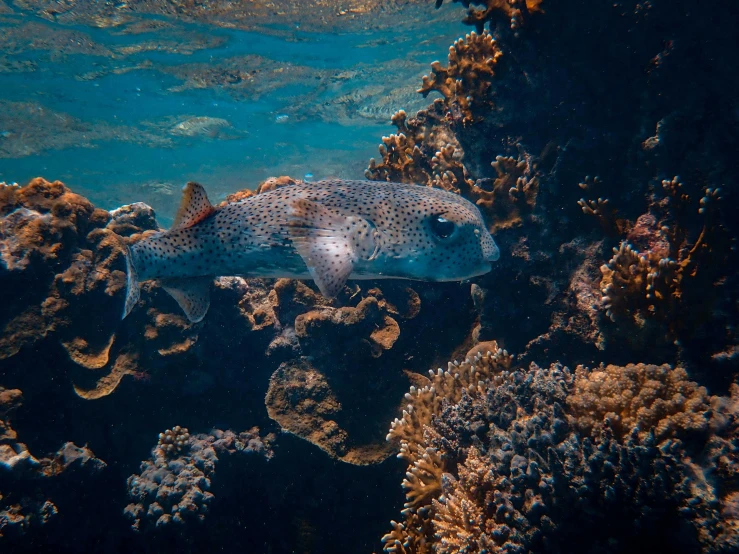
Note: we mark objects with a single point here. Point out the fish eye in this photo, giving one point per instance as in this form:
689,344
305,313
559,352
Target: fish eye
442,227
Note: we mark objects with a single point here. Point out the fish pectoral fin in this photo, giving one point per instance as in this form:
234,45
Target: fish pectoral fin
192,294
194,207
329,242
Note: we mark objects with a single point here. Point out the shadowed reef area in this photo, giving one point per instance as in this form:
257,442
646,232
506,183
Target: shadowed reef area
590,397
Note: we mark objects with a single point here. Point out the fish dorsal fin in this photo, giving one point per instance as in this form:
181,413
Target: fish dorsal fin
194,207
329,242
192,294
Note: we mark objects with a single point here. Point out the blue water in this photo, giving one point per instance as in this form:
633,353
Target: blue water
99,118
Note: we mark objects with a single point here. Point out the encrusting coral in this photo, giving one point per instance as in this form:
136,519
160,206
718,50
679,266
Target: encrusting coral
517,460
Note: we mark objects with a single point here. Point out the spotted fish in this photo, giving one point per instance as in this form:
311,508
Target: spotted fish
329,231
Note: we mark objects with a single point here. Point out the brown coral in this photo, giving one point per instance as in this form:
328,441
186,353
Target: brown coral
466,83
10,400
407,155
653,399
659,274
366,325
516,11
302,400
426,467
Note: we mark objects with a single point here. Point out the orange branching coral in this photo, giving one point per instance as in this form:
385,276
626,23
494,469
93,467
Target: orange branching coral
653,399
512,194
459,521
407,155
426,467
658,273
601,208
450,173
517,11
465,84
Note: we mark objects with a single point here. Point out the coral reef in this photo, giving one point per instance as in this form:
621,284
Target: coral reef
519,460
173,486
501,455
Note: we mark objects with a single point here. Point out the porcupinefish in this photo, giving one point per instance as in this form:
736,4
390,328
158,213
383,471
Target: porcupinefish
330,231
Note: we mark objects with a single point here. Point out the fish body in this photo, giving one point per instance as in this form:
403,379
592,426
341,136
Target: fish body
328,231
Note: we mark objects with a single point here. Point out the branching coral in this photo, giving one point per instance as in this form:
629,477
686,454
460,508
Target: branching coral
407,155
426,467
466,83
517,11
524,460
659,273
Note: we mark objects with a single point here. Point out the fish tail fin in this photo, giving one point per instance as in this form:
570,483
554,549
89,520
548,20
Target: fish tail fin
132,284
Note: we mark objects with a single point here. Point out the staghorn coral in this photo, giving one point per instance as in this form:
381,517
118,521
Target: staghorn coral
175,488
425,465
466,83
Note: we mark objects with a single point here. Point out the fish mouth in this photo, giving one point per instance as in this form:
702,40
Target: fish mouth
493,254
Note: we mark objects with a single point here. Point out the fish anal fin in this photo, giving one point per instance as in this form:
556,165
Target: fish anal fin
192,294
329,242
194,207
